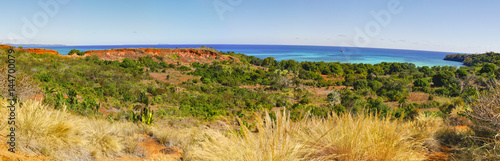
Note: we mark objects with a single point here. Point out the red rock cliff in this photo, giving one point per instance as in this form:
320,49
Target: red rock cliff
34,51
169,55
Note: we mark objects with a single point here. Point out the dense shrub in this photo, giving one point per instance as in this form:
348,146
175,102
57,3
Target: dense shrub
487,68
442,78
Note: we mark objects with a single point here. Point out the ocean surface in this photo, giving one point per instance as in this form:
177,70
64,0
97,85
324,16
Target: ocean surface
302,53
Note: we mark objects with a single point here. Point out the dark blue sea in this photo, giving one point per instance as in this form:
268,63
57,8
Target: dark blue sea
302,53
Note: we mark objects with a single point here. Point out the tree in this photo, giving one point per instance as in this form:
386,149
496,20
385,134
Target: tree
487,68
461,73
360,84
485,109
77,52
269,61
426,70
421,83
128,63
334,97
442,78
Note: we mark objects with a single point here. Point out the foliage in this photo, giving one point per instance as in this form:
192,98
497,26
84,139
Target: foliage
421,85
474,59
487,68
77,52
442,78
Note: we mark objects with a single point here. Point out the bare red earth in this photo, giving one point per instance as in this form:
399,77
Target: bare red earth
168,55
34,51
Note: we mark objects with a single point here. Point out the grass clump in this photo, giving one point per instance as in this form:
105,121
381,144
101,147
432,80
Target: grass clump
62,135
343,137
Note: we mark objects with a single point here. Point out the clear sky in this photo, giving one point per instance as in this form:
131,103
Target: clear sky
464,26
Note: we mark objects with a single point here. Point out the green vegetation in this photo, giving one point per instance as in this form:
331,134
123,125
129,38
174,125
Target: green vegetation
149,91
475,59
77,52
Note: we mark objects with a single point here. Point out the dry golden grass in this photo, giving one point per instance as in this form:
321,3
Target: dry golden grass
347,137
344,137
61,135
274,141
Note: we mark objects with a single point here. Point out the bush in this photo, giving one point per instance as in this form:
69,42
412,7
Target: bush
128,63
461,73
421,85
442,78
77,52
304,101
360,84
487,68
485,109
205,80
334,97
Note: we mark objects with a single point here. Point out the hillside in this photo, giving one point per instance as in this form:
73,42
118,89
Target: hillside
35,51
184,56
202,104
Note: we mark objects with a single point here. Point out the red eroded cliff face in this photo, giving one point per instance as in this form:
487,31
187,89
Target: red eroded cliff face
168,55
34,51
39,51
5,46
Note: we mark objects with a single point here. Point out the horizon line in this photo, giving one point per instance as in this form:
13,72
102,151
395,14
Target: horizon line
205,44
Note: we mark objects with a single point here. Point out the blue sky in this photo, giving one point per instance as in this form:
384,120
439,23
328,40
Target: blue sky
466,26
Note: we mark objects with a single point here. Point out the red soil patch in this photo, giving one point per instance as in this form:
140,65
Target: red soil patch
461,128
154,151
418,97
439,156
6,155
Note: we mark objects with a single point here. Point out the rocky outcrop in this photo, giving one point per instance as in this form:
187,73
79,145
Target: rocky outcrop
39,51
34,51
185,55
6,46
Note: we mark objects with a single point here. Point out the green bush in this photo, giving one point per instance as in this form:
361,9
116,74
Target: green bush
487,68
461,73
442,78
128,63
360,84
77,52
421,85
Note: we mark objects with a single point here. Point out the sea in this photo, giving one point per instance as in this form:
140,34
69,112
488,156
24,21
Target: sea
301,53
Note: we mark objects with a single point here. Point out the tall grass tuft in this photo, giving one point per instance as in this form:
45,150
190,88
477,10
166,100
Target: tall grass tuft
344,137
61,135
53,133
364,137
274,141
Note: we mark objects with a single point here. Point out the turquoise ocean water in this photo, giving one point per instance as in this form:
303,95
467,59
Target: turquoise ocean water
303,53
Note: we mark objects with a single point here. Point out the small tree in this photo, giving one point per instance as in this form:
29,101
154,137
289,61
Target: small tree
77,52
487,68
485,110
421,85
442,78
334,97
461,73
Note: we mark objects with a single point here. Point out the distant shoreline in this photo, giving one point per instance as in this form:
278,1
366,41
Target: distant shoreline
299,53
